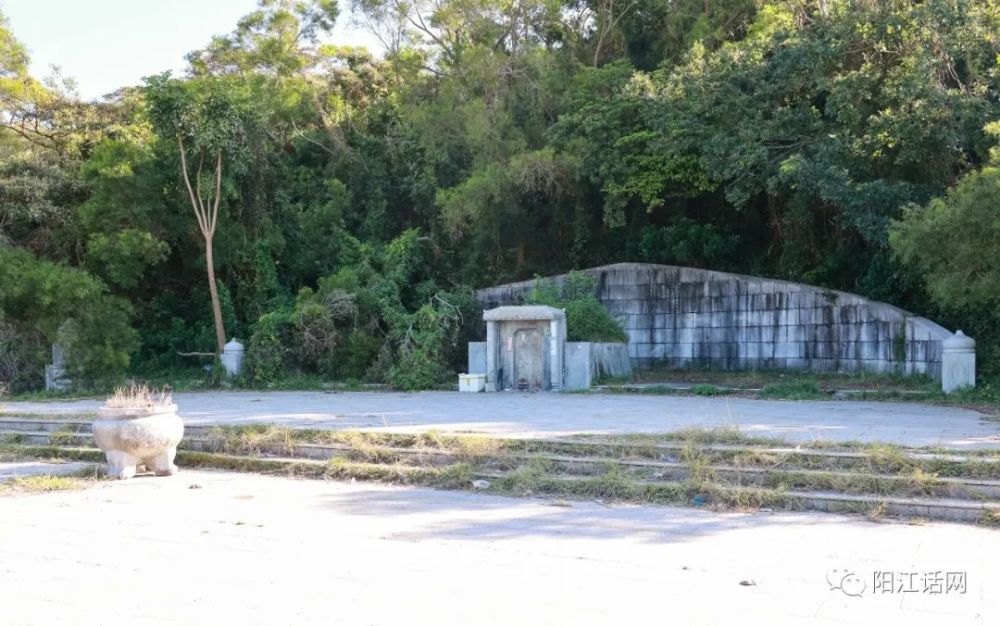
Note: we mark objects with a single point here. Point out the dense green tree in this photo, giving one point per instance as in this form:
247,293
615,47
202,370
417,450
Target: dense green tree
955,240
123,209
212,122
59,304
347,202
821,121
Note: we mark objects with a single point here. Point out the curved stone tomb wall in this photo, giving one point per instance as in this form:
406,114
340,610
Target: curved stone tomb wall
680,317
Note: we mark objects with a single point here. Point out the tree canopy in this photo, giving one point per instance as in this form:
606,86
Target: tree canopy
361,195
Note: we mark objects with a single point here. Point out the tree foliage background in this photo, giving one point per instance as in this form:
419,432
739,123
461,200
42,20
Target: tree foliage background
843,143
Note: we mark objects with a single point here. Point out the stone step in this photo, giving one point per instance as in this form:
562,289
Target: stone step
951,509
936,487
589,445
15,424
946,509
47,438
66,452
962,487
831,452
943,486
21,469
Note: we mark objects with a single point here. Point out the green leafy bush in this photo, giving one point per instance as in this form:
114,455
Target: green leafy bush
709,390
954,242
22,359
792,391
357,354
320,322
588,320
374,320
586,317
423,340
60,304
122,257
686,242
265,357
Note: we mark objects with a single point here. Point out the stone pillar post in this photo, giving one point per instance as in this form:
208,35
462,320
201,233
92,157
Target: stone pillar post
492,355
557,330
232,358
55,373
958,362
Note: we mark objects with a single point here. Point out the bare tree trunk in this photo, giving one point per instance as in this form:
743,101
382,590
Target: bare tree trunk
604,28
597,48
610,22
220,329
206,211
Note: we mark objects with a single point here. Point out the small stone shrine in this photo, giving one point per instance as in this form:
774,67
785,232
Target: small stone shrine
524,348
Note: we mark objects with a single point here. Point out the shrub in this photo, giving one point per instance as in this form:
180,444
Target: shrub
357,354
954,242
686,242
423,341
417,369
61,304
588,320
792,391
22,359
586,317
378,319
320,322
708,390
265,358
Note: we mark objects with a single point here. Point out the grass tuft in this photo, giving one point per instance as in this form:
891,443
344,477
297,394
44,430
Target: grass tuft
990,518
48,483
877,512
253,439
804,390
723,468
709,390
139,396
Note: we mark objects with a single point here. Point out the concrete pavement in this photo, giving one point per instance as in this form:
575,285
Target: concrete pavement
219,548
547,414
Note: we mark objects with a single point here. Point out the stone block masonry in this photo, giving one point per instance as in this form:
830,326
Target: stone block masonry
682,317
587,363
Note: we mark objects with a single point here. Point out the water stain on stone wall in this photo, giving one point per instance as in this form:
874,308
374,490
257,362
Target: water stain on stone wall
682,317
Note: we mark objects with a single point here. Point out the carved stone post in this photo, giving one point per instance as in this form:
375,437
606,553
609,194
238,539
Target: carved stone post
958,362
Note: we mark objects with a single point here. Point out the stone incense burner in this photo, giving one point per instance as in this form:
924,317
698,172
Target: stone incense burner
137,427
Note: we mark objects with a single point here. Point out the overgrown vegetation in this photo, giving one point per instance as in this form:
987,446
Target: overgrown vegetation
45,483
586,317
721,468
797,385
791,391
138,396
340,206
